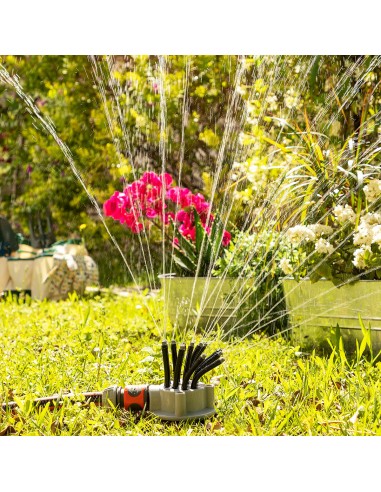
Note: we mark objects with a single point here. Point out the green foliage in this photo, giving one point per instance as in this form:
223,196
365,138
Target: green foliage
302,112
200,256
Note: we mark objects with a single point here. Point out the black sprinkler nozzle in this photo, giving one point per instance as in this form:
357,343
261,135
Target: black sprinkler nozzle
203,371
216,355
189,357
179,363
191,370
174,355
198,351
167,370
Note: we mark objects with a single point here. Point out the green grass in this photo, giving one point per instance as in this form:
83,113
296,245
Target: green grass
265,387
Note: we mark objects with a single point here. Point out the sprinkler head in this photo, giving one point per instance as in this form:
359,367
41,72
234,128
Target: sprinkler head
181,398
185,398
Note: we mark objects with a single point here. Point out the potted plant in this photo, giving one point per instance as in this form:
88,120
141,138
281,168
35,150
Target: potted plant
195,238
334,270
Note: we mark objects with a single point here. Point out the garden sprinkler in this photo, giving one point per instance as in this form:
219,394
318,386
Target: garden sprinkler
181,398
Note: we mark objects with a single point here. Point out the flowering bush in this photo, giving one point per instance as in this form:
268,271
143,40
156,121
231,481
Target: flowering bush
346,246
198,236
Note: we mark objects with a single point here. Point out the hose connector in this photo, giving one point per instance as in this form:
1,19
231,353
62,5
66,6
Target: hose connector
132,397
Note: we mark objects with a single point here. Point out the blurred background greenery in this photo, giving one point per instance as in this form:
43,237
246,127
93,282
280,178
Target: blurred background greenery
107,110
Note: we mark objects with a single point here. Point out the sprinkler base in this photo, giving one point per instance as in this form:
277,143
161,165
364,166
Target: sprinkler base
166,403
177,404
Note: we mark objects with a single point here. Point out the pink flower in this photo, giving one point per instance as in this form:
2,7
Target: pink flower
166,180
114,206
199,203
184,217
169,215
226,238
152,194
151,178
188,232
136,190
150,197
180,196
151,213
136,227
131,219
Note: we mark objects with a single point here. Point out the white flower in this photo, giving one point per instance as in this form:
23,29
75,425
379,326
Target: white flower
363,236
285,266
344,214
359,257
291,99
251,108
252,169
373,190
371,218
272,102
376,234
321,229
370,77
253,121
299,234
324,247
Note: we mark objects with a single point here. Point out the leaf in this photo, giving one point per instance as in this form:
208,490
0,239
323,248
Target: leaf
355,416
149,358
184,262
200,232
324,270
215,239
147,349
187,247
215,426
209,137
276,144
315,277
314,72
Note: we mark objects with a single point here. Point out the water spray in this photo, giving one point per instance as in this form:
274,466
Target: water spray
183,397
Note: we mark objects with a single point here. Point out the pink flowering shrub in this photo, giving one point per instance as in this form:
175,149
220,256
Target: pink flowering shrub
153,199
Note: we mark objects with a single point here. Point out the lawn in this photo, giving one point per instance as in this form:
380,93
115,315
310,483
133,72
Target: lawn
266,386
